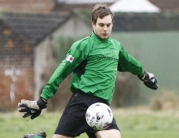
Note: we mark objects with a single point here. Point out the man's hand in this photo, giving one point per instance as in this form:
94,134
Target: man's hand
31,108
149,80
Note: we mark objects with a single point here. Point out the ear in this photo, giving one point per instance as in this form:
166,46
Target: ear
93,24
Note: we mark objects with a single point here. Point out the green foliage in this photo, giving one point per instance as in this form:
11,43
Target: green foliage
133,123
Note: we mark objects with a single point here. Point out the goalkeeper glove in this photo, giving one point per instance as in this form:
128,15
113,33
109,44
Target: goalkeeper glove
32,108
149,80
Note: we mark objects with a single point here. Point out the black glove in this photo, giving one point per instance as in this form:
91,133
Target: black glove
31,108
149,80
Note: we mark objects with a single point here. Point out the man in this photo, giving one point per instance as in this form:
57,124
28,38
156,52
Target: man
94,62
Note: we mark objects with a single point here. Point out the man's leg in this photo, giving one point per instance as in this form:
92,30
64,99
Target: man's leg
113,133
72,122
60,136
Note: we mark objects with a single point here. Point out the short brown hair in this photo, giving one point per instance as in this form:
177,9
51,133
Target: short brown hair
101,10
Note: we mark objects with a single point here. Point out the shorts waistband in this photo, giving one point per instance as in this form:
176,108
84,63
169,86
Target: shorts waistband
79,92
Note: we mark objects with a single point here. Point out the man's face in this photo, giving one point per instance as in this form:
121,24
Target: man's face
103,27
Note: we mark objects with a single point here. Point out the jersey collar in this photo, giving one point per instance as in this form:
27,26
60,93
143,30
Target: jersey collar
93,35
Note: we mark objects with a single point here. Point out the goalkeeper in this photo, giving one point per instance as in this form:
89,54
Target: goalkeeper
94,61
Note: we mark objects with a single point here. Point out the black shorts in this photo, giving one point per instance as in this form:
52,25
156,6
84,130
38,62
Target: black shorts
72,122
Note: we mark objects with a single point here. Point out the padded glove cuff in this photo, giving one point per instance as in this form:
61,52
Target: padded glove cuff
145,77
41,103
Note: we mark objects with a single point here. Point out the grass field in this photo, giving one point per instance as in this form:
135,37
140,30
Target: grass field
133,123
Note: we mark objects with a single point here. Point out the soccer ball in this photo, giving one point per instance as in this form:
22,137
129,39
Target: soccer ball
99,116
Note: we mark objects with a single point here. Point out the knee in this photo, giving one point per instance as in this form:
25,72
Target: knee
59,136
56,136
108,134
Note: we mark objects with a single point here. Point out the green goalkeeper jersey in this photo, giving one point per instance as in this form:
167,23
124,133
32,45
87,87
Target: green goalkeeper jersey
94,63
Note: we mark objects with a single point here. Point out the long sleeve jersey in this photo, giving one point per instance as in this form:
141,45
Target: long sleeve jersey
94,63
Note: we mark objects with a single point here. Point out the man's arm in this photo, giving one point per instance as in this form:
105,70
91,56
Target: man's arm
77,53
127,63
